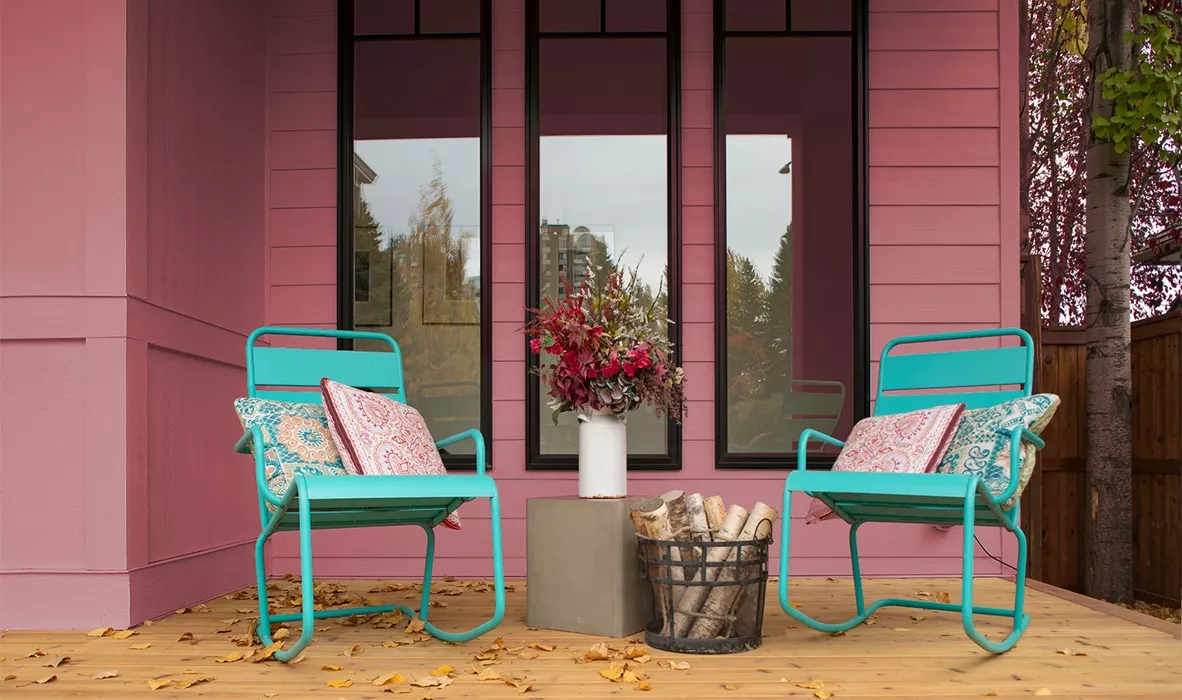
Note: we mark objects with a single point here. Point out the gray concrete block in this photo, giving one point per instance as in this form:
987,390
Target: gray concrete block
582,571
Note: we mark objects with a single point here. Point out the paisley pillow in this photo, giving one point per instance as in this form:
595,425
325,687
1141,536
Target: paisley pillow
981,444
911,442
377,435
296,440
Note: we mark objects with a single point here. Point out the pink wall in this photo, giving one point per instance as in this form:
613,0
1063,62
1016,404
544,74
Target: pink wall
943,233
131,168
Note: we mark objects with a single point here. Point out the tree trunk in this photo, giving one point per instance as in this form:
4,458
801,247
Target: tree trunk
1107,272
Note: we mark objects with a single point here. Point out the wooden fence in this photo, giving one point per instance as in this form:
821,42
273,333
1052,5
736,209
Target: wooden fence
1057,497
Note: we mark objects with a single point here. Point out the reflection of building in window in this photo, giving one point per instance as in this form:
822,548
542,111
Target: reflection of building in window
569,255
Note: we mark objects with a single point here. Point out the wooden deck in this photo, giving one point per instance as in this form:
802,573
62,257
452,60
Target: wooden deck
1070,650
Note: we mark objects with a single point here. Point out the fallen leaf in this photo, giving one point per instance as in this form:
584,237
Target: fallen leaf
264,653
124,634
101,632
351,650
36,653
185,637
991,694
599,652
730,687
635,651
415,625
389,678
811,685
542,647
47,679
1071,652
230,658
433,682
900,629
943,597
924,594
822,694
1043,691
489,674
270,694
677,665
438,604
614,672
918,618
56,661
831,579
524,654
105,674
444,670
141,647
339,683
644,685
391,644
190,682
158,683
280,633
330,667
9,677
872,620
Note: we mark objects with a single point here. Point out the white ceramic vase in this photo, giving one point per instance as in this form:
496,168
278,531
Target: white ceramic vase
603,455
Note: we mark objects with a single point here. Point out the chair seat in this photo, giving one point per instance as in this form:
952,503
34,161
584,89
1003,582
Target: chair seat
858,497
366,491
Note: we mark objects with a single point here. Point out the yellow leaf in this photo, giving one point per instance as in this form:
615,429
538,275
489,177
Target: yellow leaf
36,653
56,661
280,633
635,651
182,611
141,647
527,654
730,687
644,685
185,637
230,658
943,597
330,667
811,685
101,632
677,665
415,625
541,647
10,677
157,684
266,652
389,678
489,674
599,652
613,672
339,683
1043,691
105,674
391,644
351,650
190,682
433,682
47,679
822,694
443,670
124,634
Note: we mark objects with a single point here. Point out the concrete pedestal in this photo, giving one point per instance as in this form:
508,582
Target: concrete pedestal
582,570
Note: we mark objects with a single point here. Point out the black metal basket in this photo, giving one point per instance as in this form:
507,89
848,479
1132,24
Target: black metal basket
724,612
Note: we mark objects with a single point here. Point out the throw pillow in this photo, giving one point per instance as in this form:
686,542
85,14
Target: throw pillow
911,442
296,440
377,435
981,444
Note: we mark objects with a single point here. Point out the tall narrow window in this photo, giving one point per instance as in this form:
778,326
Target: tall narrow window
791,325
603,180
415,115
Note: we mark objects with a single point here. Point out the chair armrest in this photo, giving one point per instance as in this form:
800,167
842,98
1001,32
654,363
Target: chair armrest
803,447
470,434
1018,435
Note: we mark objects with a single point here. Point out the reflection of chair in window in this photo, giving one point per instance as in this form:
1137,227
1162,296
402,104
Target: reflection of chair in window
817,405
449,407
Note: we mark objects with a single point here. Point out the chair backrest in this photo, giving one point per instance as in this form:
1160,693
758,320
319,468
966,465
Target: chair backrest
979,378
294,374
811,404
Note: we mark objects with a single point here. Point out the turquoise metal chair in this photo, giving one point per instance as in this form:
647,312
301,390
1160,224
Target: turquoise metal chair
932,499
321,502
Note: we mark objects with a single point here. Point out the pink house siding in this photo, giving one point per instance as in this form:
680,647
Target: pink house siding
941,258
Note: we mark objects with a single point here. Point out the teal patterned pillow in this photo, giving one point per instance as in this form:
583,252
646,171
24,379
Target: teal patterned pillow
296,440
981,444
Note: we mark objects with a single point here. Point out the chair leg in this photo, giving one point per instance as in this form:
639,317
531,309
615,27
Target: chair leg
1020,619
307,585
494,506
857,568
786,604
428,565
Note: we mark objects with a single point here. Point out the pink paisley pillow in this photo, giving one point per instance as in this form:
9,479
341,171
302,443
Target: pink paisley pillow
912,443
379,436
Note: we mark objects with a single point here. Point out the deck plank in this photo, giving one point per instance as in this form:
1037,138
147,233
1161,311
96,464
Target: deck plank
897,657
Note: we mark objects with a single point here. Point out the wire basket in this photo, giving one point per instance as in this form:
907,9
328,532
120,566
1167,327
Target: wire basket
708,597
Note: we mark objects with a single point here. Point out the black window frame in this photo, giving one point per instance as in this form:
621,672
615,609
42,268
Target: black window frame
860,394
535,460
346,39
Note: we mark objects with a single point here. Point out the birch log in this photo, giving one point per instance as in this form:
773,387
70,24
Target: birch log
689,604
715,514
679,522
650,516
699,529
720,604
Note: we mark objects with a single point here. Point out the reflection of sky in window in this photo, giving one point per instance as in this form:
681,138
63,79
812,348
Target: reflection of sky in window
613,185
759,198
404,169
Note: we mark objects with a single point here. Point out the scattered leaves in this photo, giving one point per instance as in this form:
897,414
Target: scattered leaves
280,633
415,625
190,682
101,632
943,597
230,658
9,677
124,634
444,670
56,661
185,637
158,683
433,682
351,650
598,652
47,679
644,685
900,629
141,647
340,683
526,654
105,674
265,653
730,687
677,665
36,653
542,647
330,667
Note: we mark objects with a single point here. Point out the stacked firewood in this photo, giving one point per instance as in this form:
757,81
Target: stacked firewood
703,611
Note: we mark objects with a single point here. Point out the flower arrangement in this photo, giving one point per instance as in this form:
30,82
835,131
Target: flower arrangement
613,353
